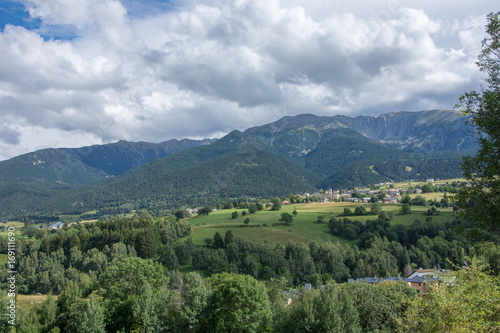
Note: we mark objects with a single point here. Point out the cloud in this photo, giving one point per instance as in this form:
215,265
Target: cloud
206,67
9,135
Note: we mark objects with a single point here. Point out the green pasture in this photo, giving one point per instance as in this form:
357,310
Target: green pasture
304,227
432,195
416,184
18,225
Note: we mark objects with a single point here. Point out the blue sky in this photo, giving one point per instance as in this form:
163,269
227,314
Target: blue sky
13,12
82,72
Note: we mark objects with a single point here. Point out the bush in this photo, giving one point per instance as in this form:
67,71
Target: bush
360,210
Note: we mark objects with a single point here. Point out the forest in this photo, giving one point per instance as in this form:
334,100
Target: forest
128,274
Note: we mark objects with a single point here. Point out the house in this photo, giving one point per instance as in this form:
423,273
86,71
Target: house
353,199
286,202
393,200
57,225
419,283
428,272
345,196
393,193
192,211
367,199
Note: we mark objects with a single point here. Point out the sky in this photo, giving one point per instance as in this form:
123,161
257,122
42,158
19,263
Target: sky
81,72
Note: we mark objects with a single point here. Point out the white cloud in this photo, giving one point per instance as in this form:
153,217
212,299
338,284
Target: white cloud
209,67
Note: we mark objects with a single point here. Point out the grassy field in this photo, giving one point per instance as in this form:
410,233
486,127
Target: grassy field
30,301
416,184
17,225
304,227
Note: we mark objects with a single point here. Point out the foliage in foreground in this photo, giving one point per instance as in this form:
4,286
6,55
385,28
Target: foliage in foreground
481,195
466,302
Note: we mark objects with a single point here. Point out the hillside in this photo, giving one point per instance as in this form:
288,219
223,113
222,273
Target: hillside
117,158
293,154
53,168
233,166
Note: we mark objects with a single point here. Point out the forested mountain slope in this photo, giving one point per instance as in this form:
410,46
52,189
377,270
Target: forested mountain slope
293,154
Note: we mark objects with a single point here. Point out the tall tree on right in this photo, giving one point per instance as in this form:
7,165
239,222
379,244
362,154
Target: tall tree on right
480,198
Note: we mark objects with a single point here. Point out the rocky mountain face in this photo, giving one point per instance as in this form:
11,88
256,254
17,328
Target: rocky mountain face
425,131
420,132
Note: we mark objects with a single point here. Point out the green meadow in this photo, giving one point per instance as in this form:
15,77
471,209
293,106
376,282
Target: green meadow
18,225
304,228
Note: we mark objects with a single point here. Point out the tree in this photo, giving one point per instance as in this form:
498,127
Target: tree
375,209
252,208
238,303
218,241
47,314
85,316
121,284
432,211
406,199
205,210
406,209
327,310
26,221
4,311
347,211
180,213
419,201
360,210
286,218
276,204
194,295
247,221
147,243
480,195
234,215
383,216
183,249
379,306
228,238
154,309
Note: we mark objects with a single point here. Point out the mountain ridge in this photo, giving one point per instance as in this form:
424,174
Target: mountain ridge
300,152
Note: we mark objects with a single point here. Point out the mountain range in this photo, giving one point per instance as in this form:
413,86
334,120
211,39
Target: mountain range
294,154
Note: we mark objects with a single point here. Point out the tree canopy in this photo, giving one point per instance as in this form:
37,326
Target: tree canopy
239,303
480,196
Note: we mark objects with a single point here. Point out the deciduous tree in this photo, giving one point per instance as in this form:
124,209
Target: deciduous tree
238,303
480,195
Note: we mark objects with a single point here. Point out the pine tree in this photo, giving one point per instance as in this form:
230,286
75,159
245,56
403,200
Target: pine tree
218,241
